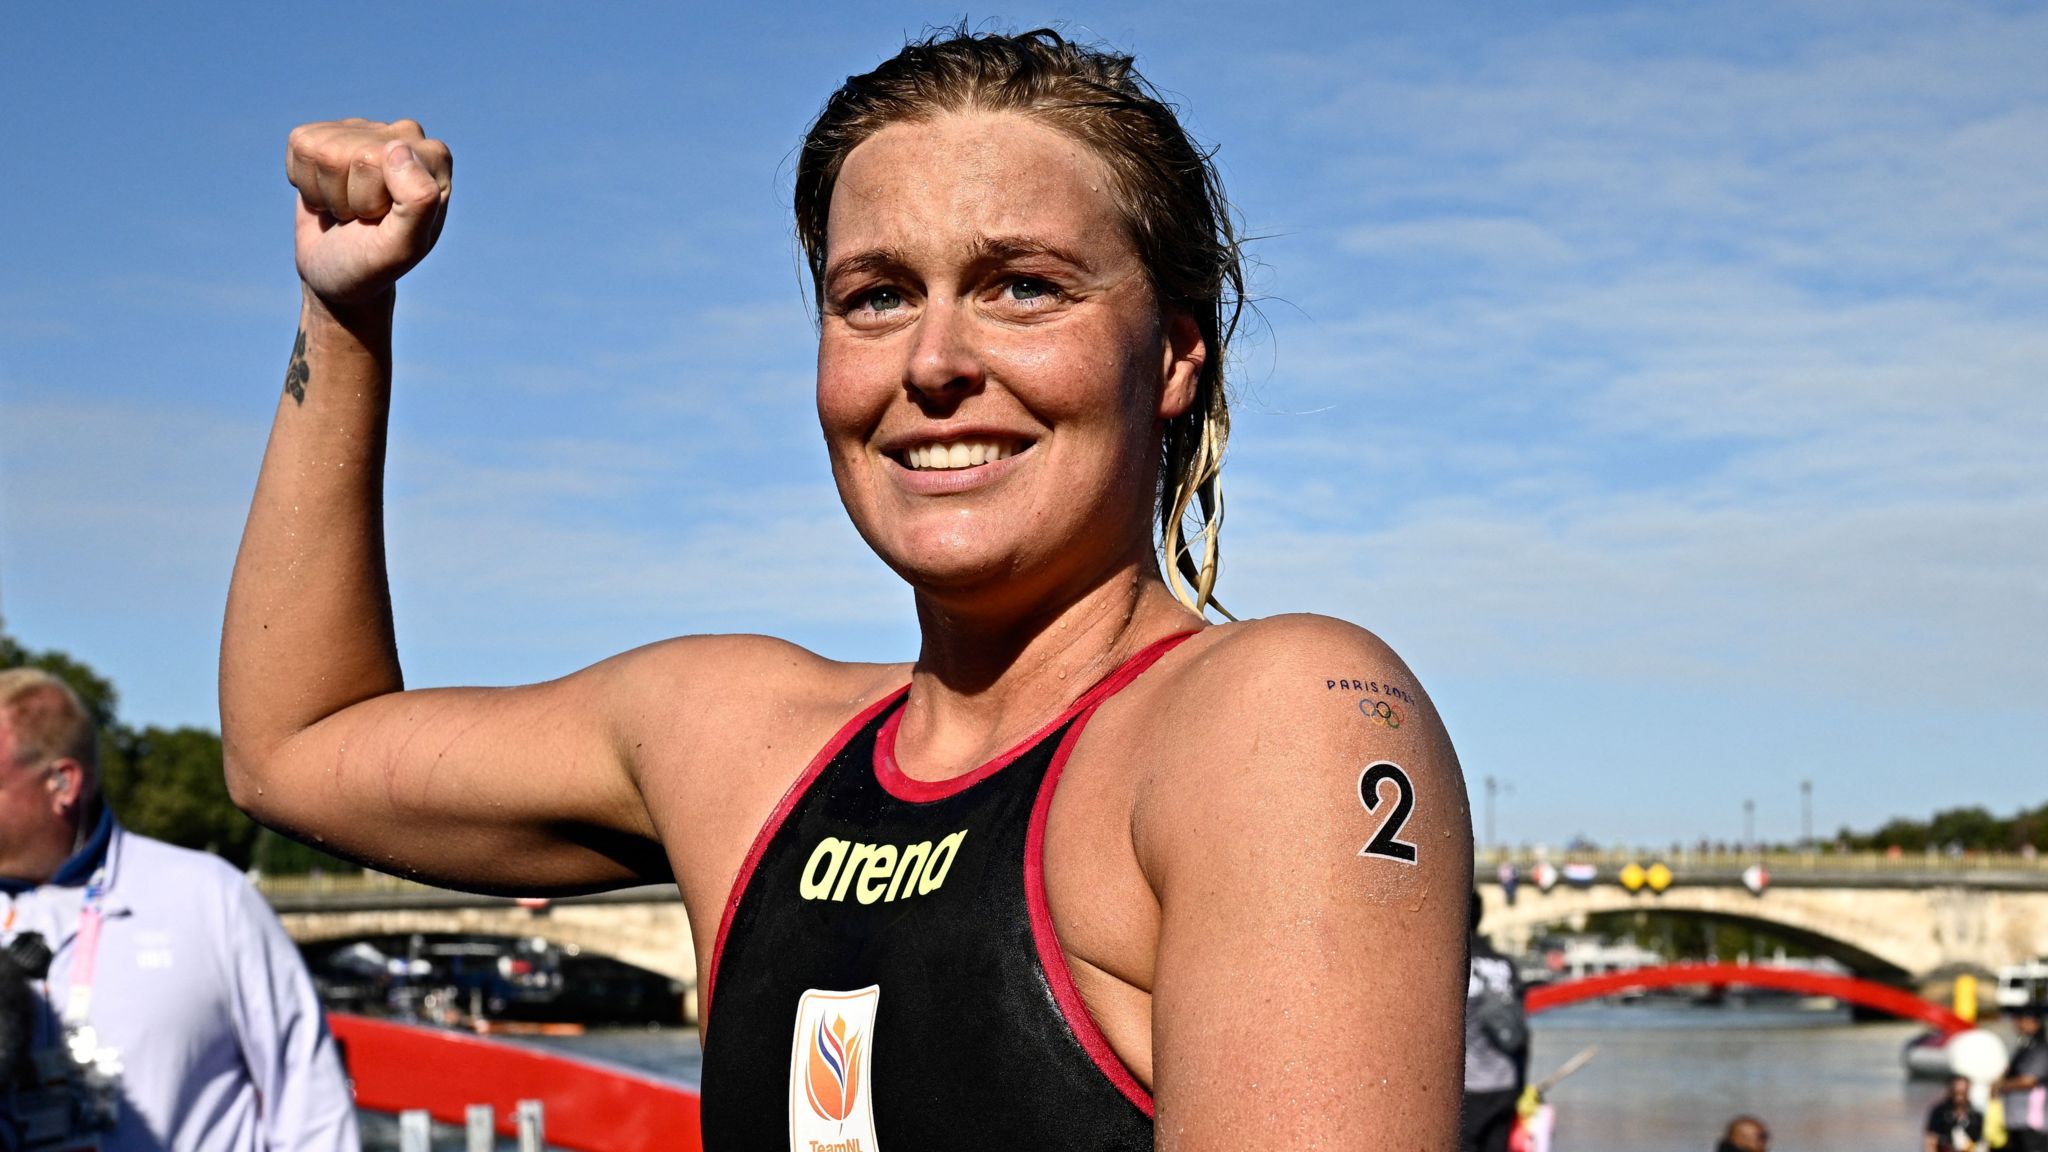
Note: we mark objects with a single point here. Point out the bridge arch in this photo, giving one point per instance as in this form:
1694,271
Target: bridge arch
1882,936
1861,962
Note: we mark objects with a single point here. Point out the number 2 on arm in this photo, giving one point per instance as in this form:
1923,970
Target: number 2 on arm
1384,842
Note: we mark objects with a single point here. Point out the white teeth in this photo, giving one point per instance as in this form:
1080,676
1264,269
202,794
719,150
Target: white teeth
959,454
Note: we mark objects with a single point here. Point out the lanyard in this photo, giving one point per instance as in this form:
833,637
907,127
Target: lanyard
78,1005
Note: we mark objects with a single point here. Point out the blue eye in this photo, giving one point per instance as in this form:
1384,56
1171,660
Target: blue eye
880,300
1029,289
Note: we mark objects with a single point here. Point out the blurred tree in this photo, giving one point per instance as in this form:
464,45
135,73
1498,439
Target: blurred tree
167,783
95,690
1971,829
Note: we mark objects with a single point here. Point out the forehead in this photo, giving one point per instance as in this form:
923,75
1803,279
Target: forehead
964,175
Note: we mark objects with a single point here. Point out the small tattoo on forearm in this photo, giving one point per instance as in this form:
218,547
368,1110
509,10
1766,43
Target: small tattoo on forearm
298,373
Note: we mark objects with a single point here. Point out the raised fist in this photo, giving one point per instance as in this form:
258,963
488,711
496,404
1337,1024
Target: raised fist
371,200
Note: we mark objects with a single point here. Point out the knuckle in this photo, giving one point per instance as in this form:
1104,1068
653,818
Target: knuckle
438,159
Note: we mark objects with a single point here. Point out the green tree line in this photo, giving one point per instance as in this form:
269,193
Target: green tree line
167,783
1972,829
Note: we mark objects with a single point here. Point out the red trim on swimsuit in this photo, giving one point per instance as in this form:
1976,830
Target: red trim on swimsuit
1051,956
782,810
914,791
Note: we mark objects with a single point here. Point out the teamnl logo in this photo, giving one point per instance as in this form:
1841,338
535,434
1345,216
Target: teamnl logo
830,1106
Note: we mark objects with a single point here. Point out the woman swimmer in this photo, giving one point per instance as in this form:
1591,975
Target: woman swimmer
1239,921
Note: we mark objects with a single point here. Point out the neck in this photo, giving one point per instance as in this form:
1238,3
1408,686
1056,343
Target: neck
84,822
37,863
985,679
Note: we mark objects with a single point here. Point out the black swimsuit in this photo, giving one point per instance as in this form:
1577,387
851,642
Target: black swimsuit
887,975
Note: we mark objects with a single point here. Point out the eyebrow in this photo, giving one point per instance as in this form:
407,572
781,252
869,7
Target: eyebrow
870,260
996,249
985,250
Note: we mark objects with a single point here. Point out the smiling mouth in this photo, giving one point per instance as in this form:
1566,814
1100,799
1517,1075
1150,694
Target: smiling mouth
958,454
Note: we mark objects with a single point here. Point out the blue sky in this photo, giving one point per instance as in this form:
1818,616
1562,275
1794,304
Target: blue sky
1664,382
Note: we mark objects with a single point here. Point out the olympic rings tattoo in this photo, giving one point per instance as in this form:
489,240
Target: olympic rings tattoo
1381,713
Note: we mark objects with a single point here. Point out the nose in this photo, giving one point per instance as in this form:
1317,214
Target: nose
944,363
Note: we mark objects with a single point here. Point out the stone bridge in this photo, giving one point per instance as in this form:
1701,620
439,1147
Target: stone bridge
1886,919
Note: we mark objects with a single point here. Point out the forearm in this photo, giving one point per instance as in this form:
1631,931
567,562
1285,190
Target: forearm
308,629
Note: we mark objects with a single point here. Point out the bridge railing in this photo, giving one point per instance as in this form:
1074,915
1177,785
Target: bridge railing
366,889
321,883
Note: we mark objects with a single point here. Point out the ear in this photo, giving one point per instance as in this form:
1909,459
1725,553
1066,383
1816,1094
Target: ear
1183,354
67,785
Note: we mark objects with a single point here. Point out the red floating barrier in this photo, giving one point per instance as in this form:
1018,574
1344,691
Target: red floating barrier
590,1107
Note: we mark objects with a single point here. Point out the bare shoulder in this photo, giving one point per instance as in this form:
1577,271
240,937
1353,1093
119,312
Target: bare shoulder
733,682
717,728
1309,729
1282,649
1308,677
1303,825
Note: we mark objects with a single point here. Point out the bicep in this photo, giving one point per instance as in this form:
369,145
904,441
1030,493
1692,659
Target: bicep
1313,881
529,789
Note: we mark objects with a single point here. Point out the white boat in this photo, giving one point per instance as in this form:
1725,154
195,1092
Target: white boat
2021,984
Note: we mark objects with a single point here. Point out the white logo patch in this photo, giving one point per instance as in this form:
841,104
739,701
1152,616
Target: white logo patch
153,949
830,1106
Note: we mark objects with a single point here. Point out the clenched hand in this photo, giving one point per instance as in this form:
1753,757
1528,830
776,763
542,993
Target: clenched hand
371,201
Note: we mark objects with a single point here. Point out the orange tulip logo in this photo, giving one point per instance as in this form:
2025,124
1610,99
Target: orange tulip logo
832,1078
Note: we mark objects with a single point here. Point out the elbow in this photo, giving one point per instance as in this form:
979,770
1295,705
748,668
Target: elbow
246,781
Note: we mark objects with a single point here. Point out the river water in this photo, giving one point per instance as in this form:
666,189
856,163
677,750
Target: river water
1671,1076
1667,1075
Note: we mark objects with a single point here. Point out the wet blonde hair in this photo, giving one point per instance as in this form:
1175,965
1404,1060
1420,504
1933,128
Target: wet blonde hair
47,719
1170,195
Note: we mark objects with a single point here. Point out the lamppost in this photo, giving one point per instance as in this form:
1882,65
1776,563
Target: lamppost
1492,785
1806,815
1749,826
1493,788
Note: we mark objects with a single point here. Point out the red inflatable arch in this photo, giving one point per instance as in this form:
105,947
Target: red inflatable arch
1865,993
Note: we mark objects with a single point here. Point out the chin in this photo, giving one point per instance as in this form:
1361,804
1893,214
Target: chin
954,567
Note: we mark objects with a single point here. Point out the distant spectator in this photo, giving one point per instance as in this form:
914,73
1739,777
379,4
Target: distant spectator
2025,1085
1745,1134
171,975
1496,1045
1954,1125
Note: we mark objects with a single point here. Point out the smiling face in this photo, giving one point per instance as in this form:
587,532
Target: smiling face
993,367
